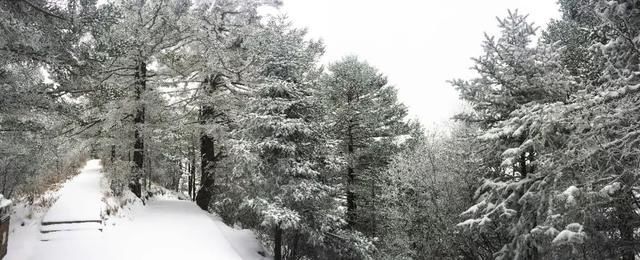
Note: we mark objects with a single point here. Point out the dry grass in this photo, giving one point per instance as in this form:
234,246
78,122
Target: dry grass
35,190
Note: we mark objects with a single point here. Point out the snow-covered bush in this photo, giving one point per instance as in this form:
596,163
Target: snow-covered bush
119,176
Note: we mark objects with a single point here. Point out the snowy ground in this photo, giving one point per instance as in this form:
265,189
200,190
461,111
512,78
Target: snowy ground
165,229
80,199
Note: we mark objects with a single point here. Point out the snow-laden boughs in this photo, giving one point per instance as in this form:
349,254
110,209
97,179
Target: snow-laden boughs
568,178
37,116
513,71
290,192
365,116
518,101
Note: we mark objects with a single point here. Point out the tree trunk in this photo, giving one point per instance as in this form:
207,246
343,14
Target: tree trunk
192,170
625,214
374,211
138,146
277,243
523,165
207,168
149,169
192,173
190,181
178,177
207,148
113,153
351,196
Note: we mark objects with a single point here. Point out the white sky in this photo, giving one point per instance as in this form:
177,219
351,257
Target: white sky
418,44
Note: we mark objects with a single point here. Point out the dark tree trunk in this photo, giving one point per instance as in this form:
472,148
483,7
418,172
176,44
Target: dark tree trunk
138,146
626,214
351,196
277,243
207,149
207,168
527,157
523,165
192,170
177,177
192,173
190,181
374,211
113,153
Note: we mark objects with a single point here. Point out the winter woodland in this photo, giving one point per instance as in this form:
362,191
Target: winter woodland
229,108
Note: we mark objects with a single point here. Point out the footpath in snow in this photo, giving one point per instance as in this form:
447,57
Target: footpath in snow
80,199
164,229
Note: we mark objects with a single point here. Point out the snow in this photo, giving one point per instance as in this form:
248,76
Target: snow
243,241
545,230
610,189
511,152
165,229
573,234
81,198
570,194
570,191
4,202
475,208
24,228
24,232
472,222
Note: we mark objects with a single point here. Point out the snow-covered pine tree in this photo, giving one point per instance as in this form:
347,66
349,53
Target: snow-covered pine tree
599,170
369,121
516,79
290,195
575,33
39,39
144,32
580,201
249,53
284,163
219,67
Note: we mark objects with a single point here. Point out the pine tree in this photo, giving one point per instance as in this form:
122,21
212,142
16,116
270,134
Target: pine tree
578,200
146,32
516,80
223,60
285,163
366,118
40,43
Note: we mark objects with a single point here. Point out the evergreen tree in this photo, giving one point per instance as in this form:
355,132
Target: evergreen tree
146,32
578,201
291,196
366,117
41,42
516,80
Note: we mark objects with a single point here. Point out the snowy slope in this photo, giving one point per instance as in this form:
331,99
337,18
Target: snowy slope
244,241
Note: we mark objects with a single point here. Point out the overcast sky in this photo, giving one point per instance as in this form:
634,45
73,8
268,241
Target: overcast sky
418,44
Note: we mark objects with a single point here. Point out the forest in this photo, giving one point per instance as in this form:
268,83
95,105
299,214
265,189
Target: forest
230,105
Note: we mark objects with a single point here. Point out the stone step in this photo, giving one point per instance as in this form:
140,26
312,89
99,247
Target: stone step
71,226
72,235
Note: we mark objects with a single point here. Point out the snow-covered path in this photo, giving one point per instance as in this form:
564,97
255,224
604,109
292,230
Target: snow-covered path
167,229
164,229
80,198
